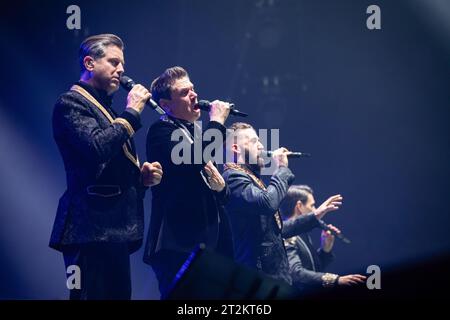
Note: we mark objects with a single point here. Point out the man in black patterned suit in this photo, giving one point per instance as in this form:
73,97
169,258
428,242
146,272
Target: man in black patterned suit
99,221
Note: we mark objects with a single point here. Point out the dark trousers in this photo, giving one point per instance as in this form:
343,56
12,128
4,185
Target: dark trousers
104,271
166,265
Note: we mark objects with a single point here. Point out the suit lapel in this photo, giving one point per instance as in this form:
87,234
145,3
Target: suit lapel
127,146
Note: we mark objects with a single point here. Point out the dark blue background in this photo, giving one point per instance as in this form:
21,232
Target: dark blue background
371,107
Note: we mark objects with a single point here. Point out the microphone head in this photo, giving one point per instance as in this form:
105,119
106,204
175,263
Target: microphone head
126,82
203,105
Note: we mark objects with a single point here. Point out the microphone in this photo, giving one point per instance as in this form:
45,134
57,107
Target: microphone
325,227
291,155
127,83
206,106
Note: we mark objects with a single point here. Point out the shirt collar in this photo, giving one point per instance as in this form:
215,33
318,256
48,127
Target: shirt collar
100,95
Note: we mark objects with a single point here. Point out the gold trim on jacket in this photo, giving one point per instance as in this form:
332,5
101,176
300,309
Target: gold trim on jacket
122,121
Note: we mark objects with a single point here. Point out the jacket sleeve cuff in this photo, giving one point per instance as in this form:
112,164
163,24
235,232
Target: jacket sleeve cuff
133,118
329,280
312,219
224,194
324,254
285,172
218,126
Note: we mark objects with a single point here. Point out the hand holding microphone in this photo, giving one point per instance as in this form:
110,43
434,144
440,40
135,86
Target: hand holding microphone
327,238
334,231
218,111
285,153
281,157
138,96
206,106
291,154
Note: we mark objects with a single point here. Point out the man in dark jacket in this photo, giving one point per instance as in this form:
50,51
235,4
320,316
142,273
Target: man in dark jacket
306,263
253,206
99,221
187,205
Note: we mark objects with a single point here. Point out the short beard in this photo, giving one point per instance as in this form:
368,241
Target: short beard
259,160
